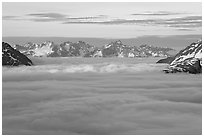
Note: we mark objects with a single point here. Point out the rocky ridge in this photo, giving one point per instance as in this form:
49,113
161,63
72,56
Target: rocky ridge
82,49
187,60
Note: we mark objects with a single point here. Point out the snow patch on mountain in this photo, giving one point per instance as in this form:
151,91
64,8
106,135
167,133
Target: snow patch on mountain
187,60
192,51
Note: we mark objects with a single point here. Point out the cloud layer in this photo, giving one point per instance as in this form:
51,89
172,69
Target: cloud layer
38,102
158,13
187,22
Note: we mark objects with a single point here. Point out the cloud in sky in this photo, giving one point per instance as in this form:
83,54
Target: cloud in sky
89,17
149,17
186,22
183,22
184,29
9,17
157,13
49,15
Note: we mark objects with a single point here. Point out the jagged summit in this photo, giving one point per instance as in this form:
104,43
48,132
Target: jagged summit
187,60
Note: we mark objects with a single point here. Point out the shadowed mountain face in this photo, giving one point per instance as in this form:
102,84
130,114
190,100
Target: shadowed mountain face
187,60
82,49
12,57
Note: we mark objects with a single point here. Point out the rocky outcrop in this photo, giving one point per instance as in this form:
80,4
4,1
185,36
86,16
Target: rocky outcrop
167,60
12,57
187,60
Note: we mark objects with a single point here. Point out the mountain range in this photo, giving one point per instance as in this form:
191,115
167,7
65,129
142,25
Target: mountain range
82,49
187,60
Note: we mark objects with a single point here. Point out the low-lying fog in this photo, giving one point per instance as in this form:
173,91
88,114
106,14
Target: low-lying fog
100,96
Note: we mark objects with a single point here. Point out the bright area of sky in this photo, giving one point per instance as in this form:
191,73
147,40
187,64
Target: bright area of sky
101,20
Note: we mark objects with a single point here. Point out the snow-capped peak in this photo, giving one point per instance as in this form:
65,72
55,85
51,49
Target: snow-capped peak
192,51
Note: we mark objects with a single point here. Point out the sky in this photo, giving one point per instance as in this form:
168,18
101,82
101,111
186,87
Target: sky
101,19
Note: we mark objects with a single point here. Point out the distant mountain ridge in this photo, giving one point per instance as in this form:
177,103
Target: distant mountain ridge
82,49
177,42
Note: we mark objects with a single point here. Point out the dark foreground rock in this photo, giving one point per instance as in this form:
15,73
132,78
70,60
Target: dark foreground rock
192,66
187,60
167,60
12,57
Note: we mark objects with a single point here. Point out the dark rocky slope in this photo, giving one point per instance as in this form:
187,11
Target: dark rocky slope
167,60
12,57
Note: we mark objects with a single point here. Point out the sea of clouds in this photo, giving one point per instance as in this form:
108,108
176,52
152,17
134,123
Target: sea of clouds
100,97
